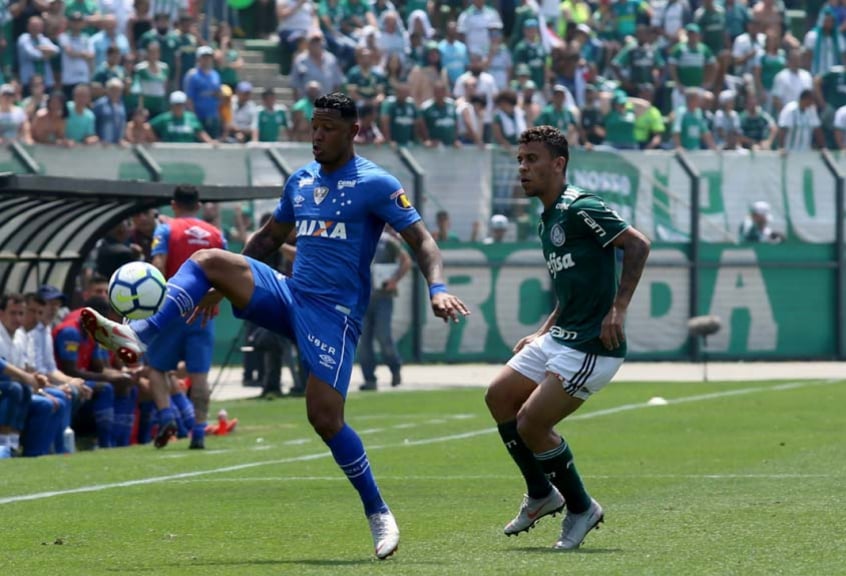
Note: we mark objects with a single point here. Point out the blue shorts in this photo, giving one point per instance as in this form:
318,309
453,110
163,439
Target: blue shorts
326,337
192,343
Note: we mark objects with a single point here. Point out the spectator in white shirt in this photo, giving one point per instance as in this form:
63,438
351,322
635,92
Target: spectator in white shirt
485,84
747,47
799,125
296,19
791,82
244,114
14,125
474,24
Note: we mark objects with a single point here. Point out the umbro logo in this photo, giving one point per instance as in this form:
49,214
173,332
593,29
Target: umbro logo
346,184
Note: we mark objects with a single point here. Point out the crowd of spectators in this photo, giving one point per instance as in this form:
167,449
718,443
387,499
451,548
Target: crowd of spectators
623,74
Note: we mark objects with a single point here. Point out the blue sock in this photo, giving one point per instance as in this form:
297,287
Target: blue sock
124,418
349,453
166,415
198,432
103,405
184,290
181,430
185,407
145,421
39,427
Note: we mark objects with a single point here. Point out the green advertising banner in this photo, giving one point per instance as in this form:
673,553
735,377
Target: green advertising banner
766,311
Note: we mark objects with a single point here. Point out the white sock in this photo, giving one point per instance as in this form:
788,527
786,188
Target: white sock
4,440
14,441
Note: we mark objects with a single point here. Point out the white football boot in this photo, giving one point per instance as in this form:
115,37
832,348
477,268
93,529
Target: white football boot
385,533
575,527
533,509
113,336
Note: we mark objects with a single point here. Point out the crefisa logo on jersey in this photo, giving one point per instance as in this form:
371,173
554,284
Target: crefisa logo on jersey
320,194
556,235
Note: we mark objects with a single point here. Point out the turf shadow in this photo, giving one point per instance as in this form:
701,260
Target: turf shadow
549,550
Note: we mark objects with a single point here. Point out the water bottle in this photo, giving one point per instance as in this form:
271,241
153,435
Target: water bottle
69,440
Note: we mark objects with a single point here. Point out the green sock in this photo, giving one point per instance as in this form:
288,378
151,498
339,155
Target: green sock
561,470
537,485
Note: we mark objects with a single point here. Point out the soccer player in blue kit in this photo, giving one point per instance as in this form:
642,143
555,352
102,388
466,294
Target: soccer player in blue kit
337,206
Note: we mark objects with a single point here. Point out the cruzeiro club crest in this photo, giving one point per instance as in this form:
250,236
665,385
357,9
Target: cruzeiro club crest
320,193
556,235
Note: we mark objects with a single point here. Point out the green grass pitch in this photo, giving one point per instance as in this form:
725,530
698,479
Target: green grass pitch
740,478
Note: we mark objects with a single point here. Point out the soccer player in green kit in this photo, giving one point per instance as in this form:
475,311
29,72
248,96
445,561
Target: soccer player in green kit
577,350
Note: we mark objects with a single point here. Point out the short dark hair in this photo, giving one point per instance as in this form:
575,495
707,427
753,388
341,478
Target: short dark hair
805,94
553,138
186,195
11,298
99,304
340,102
33,297
96,279
268,92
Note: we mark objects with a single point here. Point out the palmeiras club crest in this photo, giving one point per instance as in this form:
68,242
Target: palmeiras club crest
556,235
320,193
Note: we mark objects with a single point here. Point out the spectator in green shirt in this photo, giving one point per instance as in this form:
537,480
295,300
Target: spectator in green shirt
620,122
530,51
272,119
690,129
166,39
757,128
80,125
439,119
558,115
638,63
398,117
711,18
179,124
365,84
691,65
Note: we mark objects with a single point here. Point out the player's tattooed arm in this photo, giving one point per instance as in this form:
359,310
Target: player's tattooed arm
444,305
635,248
267,239
426,250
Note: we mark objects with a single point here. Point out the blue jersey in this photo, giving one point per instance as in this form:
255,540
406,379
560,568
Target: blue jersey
338,218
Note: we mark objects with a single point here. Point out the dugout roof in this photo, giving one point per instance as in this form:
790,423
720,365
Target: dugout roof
48,225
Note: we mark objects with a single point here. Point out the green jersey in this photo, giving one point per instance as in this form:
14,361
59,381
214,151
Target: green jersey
620,128
105,73
441,120
713,26
639,62
168,43
690,126
833,85
368,84
757,127
770,65
170,129
186,54
86,8
690,63
561,119
402,117
576,235
625,17
305,107
534,56
270,122
152,86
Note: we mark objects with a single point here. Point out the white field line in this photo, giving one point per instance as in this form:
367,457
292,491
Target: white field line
465,477
420,442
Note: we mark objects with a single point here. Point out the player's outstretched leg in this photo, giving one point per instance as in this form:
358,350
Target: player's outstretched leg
504,397
548,405
229,273
325,407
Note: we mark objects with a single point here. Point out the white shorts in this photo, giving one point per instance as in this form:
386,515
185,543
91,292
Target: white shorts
581,374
